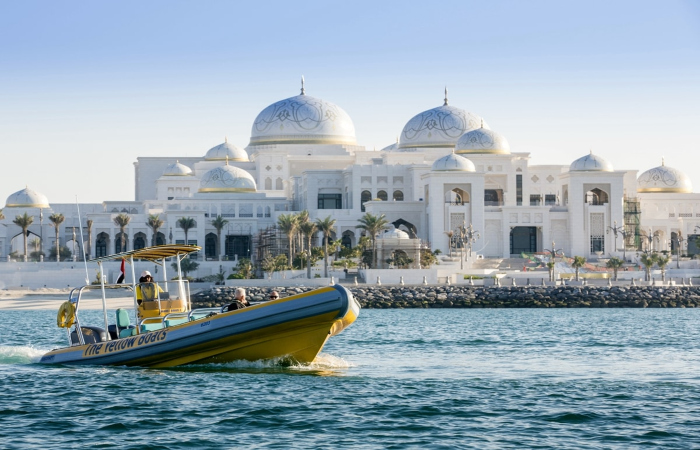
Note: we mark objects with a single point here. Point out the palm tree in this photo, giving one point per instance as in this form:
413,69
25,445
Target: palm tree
56,221
325,226
614,263
154,223
373,225
308,229
648,260
662,261
89,229
288,225
186,223
24,222
219,223
449,234
577,263
122,220
550,266
301,218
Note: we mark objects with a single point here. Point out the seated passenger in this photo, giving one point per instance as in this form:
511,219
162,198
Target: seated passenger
239,302
146,288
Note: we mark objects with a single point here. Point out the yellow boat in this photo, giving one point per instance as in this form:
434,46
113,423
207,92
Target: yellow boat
166,332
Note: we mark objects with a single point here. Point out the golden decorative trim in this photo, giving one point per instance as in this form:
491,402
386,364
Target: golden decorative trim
33,205
666,190
499,151
333,141
224,190
426,146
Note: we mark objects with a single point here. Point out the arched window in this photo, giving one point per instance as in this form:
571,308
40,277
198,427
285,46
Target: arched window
365,197
118,243
268,184
382,195
597,197
278,184
210,246
101,245
139,241
398,196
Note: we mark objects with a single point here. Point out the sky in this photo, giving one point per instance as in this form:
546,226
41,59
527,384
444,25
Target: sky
87,87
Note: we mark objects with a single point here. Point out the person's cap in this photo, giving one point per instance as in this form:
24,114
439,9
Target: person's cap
145,273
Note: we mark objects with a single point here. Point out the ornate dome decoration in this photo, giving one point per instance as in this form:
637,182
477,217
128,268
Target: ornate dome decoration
227,179
394,234
302,120
27,198
393,147
439,127
482,140
177,170
453,163
591,163
222,151
664,179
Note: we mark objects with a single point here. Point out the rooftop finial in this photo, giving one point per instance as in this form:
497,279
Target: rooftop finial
590,151
227,160
303,92
482,123
397,138
445,96
225,139
663,163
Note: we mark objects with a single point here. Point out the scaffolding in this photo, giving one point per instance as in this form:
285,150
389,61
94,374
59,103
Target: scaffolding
633,214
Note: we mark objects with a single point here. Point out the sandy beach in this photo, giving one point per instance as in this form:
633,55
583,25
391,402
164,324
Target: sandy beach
47,298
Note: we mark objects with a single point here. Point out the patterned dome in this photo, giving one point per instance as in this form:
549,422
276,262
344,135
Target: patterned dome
227,179
302,120
391,148
591,163
453,163
439,127
27,198
177,170
221,151
482,140
664,179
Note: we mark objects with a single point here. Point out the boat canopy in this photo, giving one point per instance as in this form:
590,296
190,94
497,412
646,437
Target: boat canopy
153,254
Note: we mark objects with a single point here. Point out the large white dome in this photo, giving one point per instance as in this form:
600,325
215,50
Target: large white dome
439,127
591,163
226,151
664,179
453,163
227,179
27,198
302,120
482,140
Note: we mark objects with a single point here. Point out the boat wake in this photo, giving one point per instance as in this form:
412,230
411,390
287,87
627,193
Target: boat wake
20,354
324,364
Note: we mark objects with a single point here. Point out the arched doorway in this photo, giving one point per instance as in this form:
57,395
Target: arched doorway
101,244
210,245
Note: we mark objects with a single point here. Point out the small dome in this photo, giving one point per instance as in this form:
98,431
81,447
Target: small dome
27,198
482,140
391,148
439,127
453,163
664,179
227,179
177,170
394,234
591,163
222,151
302,120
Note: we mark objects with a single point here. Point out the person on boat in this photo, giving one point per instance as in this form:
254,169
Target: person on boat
274,295
146,288
239,302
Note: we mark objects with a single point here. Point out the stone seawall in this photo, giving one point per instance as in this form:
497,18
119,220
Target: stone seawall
488,297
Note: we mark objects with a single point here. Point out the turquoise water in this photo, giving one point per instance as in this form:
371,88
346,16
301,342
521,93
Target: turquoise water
568,378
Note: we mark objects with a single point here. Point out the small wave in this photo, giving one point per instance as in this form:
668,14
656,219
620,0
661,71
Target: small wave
20,354
572,418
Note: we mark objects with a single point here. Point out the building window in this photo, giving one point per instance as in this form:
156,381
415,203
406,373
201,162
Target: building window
398,196
519,190
535,200
365,197
550,199
382,195
330,201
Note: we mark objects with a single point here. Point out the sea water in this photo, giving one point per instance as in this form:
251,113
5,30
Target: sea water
448,378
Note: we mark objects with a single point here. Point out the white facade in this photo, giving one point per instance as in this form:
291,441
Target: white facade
303,155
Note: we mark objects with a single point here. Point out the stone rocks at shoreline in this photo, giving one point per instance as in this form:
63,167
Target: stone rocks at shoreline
486,297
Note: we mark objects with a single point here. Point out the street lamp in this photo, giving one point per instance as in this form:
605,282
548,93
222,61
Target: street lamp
552,256
466,236
679,240
650,237
615,229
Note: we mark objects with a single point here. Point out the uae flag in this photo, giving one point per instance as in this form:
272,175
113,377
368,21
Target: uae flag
120,280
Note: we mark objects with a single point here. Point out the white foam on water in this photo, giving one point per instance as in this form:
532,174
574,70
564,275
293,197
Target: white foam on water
20,354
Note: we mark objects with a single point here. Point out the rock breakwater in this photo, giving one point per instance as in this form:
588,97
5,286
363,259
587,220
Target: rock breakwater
487,297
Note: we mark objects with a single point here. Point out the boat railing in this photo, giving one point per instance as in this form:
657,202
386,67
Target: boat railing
76,295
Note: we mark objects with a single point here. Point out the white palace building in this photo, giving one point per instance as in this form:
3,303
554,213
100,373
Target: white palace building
448,168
